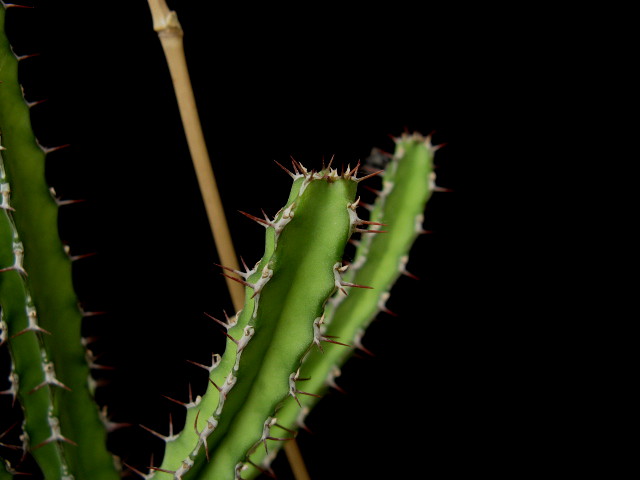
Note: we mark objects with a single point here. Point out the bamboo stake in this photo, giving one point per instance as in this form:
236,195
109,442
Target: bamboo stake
296,462
166,23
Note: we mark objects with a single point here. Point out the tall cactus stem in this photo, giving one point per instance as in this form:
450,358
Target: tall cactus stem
39,304
285,296
380,259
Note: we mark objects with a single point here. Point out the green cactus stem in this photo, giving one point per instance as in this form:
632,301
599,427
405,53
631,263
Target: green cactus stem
408,182
39,304
33,377
285,297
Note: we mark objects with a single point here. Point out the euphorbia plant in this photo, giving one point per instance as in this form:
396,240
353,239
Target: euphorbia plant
297,322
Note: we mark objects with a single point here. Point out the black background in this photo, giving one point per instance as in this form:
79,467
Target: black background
271,83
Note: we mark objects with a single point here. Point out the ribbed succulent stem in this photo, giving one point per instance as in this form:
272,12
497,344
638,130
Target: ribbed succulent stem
39,303
285,296
380,259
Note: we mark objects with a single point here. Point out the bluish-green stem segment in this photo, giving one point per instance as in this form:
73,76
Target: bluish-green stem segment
408,182
64,430
286,293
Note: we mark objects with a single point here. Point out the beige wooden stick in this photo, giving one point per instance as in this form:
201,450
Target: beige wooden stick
294,456
166,23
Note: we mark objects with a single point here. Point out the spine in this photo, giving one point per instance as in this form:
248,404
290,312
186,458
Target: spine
285,297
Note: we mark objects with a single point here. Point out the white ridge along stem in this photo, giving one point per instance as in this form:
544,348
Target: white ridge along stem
165,22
